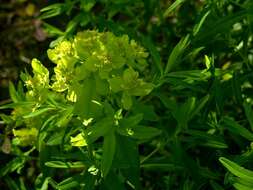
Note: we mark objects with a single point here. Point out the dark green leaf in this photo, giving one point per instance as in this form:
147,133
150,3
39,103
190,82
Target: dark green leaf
175,55
249,114
237,129
108,153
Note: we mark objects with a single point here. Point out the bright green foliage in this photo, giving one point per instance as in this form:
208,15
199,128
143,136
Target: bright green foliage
112,117
25,136
95,82
102,61
244,177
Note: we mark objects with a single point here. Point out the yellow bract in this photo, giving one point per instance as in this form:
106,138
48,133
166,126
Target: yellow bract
78,140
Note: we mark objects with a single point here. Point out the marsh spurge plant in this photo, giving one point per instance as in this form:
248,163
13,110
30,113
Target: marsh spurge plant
80,118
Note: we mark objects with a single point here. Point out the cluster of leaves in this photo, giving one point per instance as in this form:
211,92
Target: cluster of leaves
90,121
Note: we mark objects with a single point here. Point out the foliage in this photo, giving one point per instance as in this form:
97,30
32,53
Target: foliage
173,114
89,97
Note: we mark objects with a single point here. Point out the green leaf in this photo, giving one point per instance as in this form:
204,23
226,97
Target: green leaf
161,166
130,75
68,183
239,186
7,119
87,5
65,165
237,170
112,181
142,90
52,10
172,7
167,102
206,139
240,183
219,26
102,86
126,100
207,173
147,110
131,121
127,159
236,86
55,138
116,84
72,25
176,54
85,95
11,183
22,184
108,153
237,129
38,112
249,114
52,30
202,20
182,113
13,93
15,164
199,106
45,184
99,129
126,155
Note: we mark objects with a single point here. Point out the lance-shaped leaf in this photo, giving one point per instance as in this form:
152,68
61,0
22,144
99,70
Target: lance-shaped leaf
241,184
61,164
249,114
86,106
237,129
237,170
108,153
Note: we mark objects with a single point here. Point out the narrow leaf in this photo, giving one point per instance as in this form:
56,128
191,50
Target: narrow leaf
235,169
68,183
171,8
61,164
38,112
200,105
237,129
176,54
198,26
108,153
13,93
249,114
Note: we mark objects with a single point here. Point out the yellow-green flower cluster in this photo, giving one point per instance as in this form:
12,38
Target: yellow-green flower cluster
25,136
113,62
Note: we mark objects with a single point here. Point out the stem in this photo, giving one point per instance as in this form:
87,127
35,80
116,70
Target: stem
150,155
